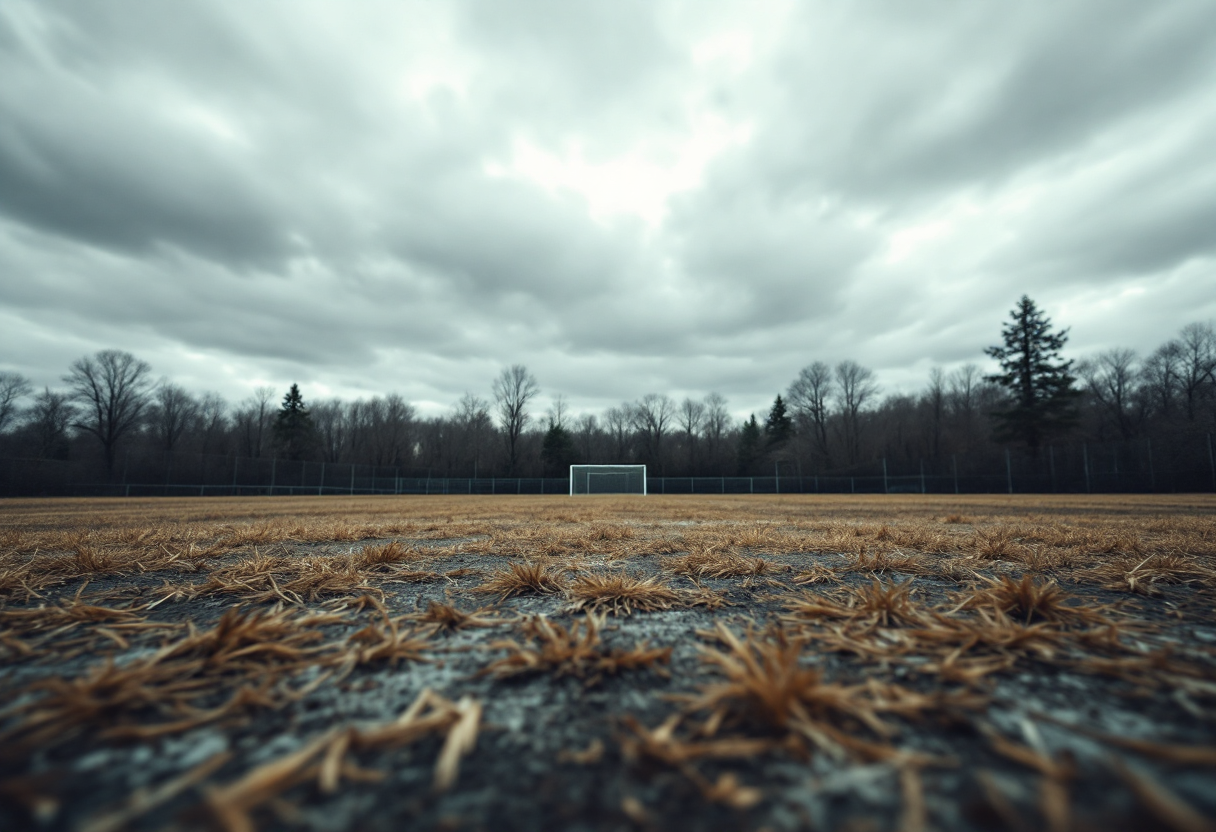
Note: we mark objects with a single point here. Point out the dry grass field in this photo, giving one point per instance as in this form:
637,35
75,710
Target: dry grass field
777,663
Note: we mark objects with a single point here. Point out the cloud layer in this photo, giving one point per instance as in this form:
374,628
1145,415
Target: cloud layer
627,197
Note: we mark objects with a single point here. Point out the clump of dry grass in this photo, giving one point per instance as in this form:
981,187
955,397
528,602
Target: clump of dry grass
573,651
992,630
765,686
389,643
880,563
536,578
812,606
1146,576
712,563
445,617
886,604
325,758
243,653
1027,600
620,594
385,554
606,532
661,745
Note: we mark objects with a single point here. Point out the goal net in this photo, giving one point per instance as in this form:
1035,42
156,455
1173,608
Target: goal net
607,479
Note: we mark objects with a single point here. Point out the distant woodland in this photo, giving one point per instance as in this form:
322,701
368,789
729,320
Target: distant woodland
831,418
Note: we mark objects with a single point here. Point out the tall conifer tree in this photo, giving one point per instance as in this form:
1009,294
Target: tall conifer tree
1038,379
294,432
779,427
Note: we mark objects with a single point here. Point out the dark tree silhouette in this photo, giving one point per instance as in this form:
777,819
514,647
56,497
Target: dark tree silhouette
12,387
779,427
558,451
513,389
855,386
809,396
749,445
294,432
1042,398
112,389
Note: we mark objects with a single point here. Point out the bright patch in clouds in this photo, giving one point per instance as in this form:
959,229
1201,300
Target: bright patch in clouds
638,183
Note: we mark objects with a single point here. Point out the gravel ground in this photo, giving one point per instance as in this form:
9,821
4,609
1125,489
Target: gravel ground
1036,744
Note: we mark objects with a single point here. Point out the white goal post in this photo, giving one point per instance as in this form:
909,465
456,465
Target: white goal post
607,479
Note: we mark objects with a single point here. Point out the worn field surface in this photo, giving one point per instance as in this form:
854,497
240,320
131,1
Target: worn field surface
589,663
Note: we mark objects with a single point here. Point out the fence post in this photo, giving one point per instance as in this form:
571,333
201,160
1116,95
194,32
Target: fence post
321,482
1009,470
274,468
777,477
922,476
722,484
1085,462
236,463
1152,474
885,488
954,465
352,480
1212,461
751,485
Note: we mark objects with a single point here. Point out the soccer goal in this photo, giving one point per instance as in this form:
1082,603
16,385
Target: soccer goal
607,479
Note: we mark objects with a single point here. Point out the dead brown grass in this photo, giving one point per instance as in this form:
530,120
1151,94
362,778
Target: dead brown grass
1026,571
535,578
550,647
620,594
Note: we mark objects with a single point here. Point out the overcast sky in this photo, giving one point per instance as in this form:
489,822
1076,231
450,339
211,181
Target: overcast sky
627,197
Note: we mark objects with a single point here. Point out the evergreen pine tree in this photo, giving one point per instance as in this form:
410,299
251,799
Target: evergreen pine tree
558,450
294,432
1042,398
749,445
779,427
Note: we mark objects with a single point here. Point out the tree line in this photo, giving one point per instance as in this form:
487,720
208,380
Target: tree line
831,417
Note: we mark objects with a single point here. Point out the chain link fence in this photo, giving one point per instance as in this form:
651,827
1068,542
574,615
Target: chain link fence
1185,464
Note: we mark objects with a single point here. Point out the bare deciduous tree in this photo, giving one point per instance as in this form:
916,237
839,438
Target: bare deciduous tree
588,428
1111,379
253,421
1197,365
651,416
855,387
332,422
691,418
809,397
557,412
13,386
1161,374
50,417
211,420
716,423
380,429
935,401
112,390
513,389
618,420
473,422
171,414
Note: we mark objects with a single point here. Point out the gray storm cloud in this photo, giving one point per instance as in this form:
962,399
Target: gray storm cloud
627,197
